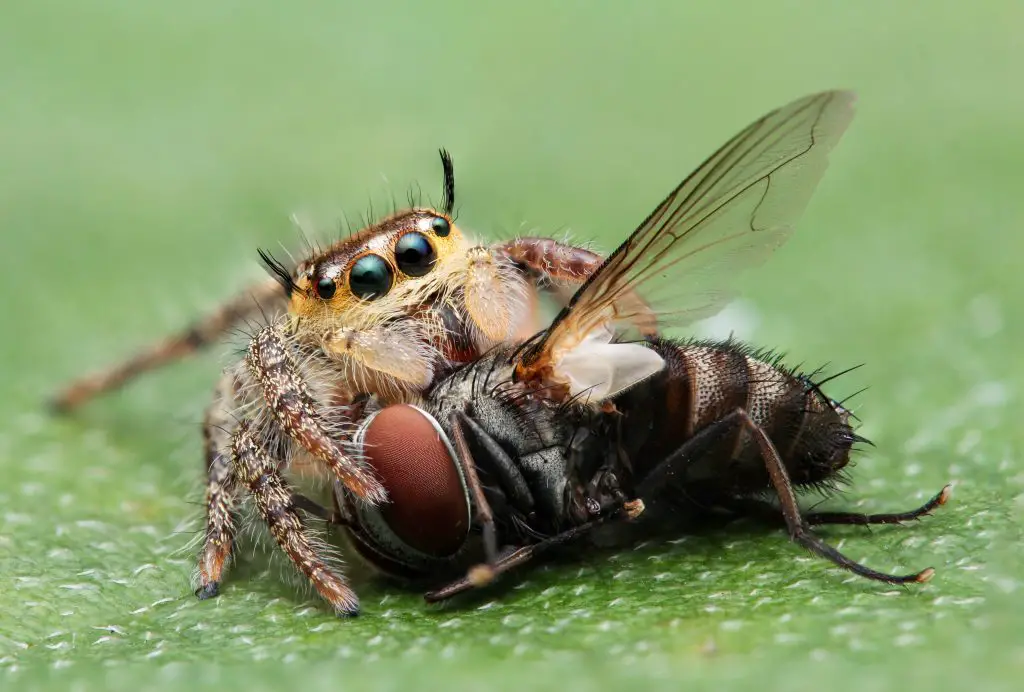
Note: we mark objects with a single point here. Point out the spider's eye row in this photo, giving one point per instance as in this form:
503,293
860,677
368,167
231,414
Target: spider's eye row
370,277
414,254
326,287
440,226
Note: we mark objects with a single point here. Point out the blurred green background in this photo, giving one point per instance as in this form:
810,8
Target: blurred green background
147,149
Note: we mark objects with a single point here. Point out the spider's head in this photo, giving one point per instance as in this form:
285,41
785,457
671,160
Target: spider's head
385,270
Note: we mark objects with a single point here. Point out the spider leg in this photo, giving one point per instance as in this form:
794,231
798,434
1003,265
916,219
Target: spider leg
562,268
221,488
267,296
273,367
546,258
274,500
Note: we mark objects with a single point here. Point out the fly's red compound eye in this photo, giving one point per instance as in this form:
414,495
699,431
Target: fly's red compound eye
428,508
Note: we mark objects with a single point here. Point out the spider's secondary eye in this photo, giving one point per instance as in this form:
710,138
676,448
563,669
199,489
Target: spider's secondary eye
370,277
440,226
326,287
414,254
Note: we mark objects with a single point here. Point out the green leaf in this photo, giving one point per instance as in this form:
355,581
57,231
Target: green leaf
148,149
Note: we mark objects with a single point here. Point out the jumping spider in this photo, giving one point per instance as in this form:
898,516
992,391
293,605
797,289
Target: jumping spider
377,313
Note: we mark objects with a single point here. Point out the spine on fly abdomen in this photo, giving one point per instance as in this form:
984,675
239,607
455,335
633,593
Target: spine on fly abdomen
705,381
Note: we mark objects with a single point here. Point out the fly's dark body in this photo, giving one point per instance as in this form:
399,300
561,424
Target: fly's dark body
699,434
598,422
688,410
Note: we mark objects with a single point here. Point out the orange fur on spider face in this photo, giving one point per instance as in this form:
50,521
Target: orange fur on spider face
411,259
362,278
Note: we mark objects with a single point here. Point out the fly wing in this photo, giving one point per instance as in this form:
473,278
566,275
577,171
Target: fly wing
729,214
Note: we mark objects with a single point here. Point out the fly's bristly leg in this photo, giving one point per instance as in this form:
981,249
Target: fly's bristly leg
799,530
505,562
797,524
271,364
267,296
762,509
315,509
855,518
480,574
516,557
694,448
274,501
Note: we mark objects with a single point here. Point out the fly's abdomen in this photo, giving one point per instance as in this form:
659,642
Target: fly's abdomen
692,405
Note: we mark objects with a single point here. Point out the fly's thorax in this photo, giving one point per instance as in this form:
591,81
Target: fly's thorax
530,432
464,385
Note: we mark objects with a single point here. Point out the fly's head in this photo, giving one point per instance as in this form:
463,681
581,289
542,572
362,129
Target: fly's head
426,455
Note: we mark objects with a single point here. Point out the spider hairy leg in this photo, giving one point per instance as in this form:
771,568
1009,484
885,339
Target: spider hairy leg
221,488
266,296
275,504
566,267
273,367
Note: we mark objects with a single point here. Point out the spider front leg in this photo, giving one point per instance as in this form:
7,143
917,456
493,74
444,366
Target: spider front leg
546,258
496,295
562,269
272,365
267,296
274,500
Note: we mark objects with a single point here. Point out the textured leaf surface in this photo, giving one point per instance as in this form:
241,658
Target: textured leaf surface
148,149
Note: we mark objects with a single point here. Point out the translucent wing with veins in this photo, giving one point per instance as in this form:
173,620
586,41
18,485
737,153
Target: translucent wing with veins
729,214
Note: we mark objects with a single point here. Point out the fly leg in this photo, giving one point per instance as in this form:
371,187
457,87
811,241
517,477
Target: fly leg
798,526
315,509
766,509
481,574
499,465
267,296
662,475
516,557
819,518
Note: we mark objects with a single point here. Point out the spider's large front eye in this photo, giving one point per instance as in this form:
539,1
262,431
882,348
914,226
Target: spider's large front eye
414,254
370,277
